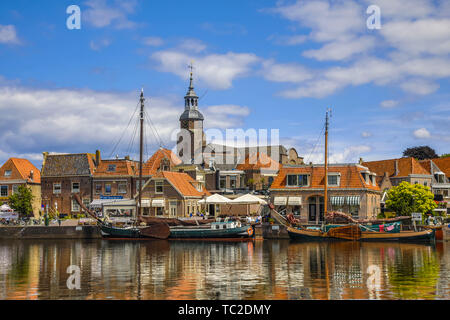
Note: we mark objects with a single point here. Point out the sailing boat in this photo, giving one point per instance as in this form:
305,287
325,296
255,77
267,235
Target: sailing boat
158,230
354,231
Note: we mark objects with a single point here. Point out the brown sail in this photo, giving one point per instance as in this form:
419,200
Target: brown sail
350,232
157,231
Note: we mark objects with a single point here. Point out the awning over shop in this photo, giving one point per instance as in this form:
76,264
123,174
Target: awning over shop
280,201
145,203
337,200
295,201
215,198
353,200
158,203
248,199
98,203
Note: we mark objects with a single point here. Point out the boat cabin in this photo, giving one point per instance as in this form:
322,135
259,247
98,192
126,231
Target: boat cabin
225,225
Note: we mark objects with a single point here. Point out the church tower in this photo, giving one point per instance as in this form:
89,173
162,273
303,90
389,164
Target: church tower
191,139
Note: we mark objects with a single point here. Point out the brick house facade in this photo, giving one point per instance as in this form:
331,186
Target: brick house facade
352,188
17,172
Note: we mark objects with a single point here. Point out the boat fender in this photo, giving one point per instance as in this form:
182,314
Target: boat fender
250,231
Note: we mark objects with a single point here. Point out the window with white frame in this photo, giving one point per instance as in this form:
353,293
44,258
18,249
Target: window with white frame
122,187
334,179
8,173
98,188
222,182
75,206
4,191
57,188
297,180
108,188
15,188
159,186
86,203
75,187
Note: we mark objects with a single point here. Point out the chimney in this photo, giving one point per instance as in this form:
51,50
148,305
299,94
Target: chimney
98,158
127,157
361,161
44,154
31,175
396,167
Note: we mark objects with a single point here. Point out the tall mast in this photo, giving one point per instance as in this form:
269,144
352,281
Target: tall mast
325,202
141,147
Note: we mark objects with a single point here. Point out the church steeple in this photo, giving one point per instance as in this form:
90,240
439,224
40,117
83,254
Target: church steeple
191,111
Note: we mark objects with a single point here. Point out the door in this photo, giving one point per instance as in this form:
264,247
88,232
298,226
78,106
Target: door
172,209
212,211
312,212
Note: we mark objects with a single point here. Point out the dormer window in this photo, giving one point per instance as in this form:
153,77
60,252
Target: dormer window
334,180
297,180
440,177
8,173
111,168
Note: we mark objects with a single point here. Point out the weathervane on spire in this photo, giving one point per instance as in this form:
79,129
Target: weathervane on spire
191,66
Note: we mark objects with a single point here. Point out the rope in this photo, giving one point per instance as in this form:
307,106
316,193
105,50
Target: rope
123,133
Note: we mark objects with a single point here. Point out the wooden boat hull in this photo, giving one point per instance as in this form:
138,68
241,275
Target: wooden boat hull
404,236
157,231
208,233
306,235
438,231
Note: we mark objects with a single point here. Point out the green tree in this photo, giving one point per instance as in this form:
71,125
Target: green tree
21,201
421,153
407,198
445,155
250,182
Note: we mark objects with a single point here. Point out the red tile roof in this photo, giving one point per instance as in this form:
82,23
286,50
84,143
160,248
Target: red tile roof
258,160
20,170
183,183
153,164
123,167
443,164
405,166
350,177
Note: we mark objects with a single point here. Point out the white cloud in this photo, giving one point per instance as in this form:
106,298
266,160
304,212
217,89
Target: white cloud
8,34
422,133
421,36
289,72
97,45
327,22
413,45
192,45
341,50
72,120
366,134
103,13
288,40
215,70
350,154
153,41
418,86
389,103
314,89
225,116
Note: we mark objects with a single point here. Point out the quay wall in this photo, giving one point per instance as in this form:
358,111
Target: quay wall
274,231
50,232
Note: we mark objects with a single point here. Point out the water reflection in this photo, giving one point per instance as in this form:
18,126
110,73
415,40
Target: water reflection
223,270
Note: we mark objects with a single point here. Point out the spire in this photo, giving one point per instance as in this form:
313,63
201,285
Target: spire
191,85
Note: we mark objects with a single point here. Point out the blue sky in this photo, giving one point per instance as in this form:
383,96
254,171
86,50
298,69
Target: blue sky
258,64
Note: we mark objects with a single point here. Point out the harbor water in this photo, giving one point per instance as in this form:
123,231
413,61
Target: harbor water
269,269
